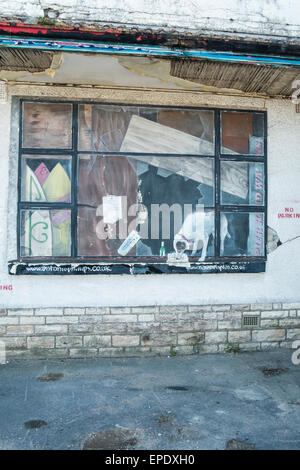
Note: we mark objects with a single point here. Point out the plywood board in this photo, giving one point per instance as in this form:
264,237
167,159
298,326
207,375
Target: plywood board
144,135
147,136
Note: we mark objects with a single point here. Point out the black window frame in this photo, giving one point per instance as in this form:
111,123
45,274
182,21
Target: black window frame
246,263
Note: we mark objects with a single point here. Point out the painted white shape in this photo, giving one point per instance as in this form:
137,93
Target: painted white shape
38,233
112,209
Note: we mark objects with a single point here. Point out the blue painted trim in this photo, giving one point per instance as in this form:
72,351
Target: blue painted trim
157,51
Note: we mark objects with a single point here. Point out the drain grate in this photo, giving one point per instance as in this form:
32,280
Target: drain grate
250,320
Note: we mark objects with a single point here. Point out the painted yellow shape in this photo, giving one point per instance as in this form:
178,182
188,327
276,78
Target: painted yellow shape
61,239
57,184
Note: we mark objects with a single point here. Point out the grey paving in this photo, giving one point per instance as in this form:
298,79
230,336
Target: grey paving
187,402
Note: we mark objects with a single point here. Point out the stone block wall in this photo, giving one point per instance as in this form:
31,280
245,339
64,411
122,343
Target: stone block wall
137,331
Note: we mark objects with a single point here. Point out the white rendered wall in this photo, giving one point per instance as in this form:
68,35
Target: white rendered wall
267,17
280,283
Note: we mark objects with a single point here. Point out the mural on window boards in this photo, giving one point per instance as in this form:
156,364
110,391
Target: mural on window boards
242,133
45,232
117,193
46,178
157,179
47,125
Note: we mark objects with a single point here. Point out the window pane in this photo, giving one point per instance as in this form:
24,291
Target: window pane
163,232
46,179
109,184
170,189
242,234
242,133
146,130
242,183
139,205
45,232
185,179
106,175
197,234
149,194
47,125
96,237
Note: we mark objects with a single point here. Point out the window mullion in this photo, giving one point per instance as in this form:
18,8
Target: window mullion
19,181
74,181
217,183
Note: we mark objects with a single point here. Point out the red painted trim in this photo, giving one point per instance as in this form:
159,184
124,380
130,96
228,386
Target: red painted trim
134,35
20,28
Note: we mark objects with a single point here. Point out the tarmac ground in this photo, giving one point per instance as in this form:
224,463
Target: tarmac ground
225,401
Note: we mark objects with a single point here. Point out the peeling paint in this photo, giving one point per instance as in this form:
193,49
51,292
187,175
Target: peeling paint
161,69
102,70
55,65
154,68
273,240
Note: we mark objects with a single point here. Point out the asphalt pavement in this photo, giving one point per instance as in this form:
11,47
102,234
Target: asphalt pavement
244,400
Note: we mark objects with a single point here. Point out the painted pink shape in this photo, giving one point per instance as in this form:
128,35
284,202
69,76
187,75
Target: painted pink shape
42,173
65,198
58,217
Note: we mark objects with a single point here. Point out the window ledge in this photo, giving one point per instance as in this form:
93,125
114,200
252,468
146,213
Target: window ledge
81,268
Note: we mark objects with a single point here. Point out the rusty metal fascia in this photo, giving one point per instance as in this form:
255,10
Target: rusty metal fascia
135,34
142,50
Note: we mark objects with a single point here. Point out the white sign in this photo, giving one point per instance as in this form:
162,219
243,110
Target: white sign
112,209
129,243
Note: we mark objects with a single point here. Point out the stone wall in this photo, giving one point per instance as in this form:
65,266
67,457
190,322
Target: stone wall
136,331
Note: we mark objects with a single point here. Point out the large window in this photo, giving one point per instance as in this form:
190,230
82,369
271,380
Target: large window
115,184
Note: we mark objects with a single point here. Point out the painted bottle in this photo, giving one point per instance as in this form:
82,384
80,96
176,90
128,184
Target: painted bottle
162,251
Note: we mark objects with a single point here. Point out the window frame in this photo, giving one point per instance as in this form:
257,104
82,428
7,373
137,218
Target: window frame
74,152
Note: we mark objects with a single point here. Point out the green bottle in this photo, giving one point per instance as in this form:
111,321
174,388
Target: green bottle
162,251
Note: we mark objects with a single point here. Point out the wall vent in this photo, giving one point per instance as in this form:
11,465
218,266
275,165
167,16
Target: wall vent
250,320
298,108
